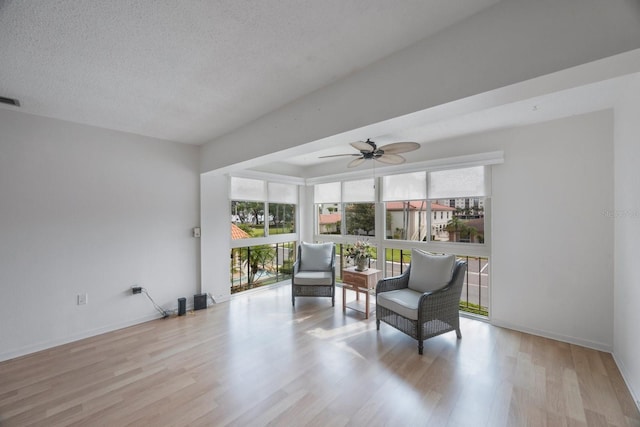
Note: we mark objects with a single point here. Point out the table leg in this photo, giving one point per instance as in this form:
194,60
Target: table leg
366,306
344,298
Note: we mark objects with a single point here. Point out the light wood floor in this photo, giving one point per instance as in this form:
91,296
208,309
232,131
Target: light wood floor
257,361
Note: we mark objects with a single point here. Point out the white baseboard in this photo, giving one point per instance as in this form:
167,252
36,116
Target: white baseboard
625,377
220,298
33,348
551,335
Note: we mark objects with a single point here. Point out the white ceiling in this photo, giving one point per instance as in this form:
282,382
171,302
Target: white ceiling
190,71
584,99
504,108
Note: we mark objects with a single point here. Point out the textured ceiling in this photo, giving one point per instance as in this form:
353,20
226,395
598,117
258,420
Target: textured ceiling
190,71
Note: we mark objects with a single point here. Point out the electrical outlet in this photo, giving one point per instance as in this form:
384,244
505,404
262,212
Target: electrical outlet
136,289
83,299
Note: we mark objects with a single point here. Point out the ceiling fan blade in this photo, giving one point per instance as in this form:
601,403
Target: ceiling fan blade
338,155
362,146
391,159
355,162
400,147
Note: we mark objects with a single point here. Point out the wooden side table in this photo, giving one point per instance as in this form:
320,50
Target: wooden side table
360,282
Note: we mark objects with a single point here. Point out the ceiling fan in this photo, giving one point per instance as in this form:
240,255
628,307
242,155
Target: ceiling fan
388,154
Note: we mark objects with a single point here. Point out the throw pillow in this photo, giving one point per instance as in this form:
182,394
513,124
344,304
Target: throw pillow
430,272
315,256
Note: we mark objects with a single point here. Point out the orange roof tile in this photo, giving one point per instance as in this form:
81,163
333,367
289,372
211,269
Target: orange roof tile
238,233
330,218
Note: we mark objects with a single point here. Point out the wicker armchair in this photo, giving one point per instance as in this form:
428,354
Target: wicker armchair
421,315
314,272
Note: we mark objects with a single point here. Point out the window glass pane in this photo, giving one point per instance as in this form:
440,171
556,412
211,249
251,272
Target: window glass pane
247,189
247,217
329,218
406,186
406,220
464,222
283,193
466,182
360,219
362,190
282,218
327,193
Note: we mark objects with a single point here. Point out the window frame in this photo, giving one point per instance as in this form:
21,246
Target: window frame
380,239
267,238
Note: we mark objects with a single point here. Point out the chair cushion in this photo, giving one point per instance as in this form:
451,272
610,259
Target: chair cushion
315,256
313,278
430,272
402,301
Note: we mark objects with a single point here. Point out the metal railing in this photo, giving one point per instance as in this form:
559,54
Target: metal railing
475,290
259,265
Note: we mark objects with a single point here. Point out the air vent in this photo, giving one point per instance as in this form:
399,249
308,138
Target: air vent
9,101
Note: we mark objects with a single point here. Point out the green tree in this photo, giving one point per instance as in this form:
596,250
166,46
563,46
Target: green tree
281,218
248,212
468,233
361,218
455,227
257,257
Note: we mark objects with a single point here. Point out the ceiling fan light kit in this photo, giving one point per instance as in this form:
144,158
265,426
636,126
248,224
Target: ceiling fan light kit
388,154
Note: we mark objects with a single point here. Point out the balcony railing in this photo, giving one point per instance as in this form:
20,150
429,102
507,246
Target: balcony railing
475,289
259,265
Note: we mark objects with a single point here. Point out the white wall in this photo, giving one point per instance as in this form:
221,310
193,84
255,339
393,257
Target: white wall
216,235
511,42
626,218
88,210
551,264
552,251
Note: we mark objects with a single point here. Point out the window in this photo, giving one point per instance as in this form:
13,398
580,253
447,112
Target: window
406,220
282,218
260,208
282,207
460,196
329,218
360,219
406,210
437,210
436,206
352,200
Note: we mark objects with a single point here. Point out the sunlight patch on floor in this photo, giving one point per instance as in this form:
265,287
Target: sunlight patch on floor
345,331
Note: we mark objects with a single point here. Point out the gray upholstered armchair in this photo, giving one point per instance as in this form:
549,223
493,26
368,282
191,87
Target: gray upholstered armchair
314,272
424,301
